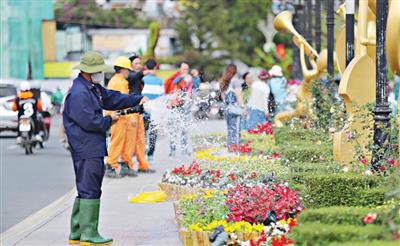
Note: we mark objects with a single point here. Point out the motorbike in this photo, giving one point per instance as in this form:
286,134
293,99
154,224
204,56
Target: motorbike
26,127
44,121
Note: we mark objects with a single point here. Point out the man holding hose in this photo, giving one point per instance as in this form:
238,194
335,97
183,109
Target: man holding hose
85,127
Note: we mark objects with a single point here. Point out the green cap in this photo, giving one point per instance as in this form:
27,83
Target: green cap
92,62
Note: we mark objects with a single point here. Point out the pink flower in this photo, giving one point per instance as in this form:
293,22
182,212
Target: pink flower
349,136
363,161
369,218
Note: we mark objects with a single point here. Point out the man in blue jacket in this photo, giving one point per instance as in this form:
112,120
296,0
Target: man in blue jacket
85,127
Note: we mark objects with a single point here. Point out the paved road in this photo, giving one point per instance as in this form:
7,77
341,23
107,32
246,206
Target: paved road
29,183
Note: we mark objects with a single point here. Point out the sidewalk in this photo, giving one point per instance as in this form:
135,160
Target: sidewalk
128,223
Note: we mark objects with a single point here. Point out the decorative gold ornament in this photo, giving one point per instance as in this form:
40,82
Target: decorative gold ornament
357,88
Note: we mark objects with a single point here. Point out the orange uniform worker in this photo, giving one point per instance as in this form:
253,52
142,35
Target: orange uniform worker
122,132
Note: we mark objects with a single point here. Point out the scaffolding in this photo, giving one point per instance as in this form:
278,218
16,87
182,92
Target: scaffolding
21,46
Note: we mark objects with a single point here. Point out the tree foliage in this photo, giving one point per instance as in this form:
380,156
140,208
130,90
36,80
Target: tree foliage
87,12
224,29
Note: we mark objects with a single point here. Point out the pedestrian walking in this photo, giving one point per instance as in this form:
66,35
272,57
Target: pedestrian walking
277,85
257,105
231,92
85,127
153,89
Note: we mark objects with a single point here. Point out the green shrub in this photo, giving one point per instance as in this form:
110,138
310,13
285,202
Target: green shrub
340,215
305,152
285,135
343,189
372,196
369,243
319,167
314,233
298,178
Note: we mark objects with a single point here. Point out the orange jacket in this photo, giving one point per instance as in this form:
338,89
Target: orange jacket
118,83
27,95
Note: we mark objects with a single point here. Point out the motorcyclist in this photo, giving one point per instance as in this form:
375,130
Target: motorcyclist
27,105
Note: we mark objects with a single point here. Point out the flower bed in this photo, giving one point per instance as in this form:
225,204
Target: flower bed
220,176
253,195
259,212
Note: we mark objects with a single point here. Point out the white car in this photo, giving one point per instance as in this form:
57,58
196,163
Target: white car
8,118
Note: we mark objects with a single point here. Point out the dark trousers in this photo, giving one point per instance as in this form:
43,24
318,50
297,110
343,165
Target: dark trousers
89,175
152,133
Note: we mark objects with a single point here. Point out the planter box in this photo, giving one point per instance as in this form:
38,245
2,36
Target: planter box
178,213
192,238
175,192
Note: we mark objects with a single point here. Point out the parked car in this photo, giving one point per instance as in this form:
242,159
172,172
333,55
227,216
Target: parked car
8,118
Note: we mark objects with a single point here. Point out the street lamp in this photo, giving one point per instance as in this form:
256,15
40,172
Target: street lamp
382,110
350,7
309,21
318,25
330,22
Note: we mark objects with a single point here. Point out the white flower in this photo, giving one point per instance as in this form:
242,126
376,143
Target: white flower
368,172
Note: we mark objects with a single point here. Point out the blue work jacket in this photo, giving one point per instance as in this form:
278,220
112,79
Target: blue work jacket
84,123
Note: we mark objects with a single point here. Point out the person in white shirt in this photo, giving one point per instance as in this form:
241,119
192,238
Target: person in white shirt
258,101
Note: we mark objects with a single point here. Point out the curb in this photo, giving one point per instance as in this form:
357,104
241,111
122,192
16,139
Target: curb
32,223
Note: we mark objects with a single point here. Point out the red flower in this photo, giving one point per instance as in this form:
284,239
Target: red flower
394,163
252,203
265,128
276,155
363,161
369,218
282,241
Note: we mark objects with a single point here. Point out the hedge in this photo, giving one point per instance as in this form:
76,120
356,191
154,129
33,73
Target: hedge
309,167
342,189
340,215
314,233
306,152
288,134
369,243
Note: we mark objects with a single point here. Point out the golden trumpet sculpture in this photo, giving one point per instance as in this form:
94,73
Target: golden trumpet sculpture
393,45
357,88
318,62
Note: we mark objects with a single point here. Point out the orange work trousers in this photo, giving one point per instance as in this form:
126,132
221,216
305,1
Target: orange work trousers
139,140
128,139
121,142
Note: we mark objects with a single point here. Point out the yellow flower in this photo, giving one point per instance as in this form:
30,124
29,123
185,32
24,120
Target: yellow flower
195,227
208,193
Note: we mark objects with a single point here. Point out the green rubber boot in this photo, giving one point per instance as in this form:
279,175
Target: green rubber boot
75,235
88,221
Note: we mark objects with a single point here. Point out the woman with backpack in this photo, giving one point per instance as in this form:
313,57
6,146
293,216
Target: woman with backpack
231,93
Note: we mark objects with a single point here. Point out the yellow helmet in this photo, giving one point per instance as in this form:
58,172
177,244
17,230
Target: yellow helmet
124,62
